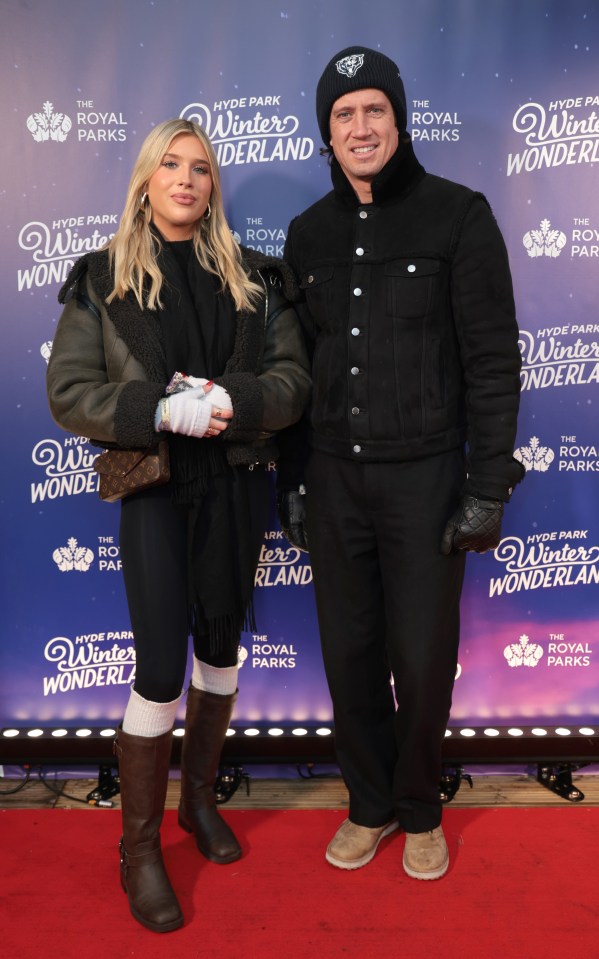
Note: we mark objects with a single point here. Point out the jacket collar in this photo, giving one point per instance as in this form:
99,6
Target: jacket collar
257,262
399,175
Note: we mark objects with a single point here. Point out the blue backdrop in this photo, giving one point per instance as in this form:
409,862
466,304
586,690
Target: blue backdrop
503,96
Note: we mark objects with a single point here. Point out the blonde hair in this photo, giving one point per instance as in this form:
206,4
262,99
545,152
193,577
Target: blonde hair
132,250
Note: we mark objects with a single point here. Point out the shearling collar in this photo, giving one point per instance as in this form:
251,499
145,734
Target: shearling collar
258,262
254,261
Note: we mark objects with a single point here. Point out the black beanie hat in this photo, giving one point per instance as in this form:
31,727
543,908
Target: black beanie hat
359,68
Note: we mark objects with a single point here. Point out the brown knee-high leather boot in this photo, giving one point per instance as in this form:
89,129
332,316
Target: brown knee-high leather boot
143,771
206,723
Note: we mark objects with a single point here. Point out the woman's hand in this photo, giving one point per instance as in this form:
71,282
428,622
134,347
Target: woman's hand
222,409
203,412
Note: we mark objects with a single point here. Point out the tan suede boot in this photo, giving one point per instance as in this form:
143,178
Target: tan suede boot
354,846
425,854
206,723
143,771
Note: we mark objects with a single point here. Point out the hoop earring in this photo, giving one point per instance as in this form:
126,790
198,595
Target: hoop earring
207,212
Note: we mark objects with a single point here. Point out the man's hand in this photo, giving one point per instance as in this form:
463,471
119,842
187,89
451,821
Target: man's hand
475,525
291,507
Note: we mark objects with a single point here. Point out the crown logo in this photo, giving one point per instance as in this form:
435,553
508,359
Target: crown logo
73,557
349,66
523,653
535,456
545,241
49,125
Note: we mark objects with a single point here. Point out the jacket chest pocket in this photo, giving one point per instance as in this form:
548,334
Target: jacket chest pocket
411,285
317,286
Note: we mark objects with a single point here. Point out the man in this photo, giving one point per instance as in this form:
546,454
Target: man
409,307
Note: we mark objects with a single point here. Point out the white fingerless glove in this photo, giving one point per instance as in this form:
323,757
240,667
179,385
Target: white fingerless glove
188,413
219,398
182,382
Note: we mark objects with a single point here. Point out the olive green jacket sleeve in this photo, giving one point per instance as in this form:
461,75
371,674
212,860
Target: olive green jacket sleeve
96,388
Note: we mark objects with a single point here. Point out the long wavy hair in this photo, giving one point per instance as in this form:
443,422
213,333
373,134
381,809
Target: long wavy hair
133,248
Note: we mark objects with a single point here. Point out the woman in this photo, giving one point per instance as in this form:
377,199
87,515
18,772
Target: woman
172,292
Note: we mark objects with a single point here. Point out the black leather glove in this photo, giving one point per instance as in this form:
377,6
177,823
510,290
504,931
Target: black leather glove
475,525
291,507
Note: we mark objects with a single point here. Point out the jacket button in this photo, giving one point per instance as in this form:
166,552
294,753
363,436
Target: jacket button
411,268
360,251
310,279
355,331
357,449
363,214
355,410
354,371
357,291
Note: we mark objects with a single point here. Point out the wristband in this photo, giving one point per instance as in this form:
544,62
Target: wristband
165,416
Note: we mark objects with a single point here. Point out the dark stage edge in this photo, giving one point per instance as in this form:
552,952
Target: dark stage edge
240,749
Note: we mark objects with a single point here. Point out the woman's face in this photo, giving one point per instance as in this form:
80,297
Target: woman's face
180,188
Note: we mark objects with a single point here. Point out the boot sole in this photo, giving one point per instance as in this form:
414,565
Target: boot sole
155,926
436,874
152,926
364,860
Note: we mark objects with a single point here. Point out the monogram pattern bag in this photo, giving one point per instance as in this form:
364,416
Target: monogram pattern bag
123,472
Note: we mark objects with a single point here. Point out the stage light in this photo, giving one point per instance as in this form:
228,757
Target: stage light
472,744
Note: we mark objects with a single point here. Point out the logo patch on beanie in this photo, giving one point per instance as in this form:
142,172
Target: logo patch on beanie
349,66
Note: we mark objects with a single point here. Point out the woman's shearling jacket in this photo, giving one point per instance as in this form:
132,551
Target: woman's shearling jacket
107,370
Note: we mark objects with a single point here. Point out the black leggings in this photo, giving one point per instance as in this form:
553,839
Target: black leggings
153,547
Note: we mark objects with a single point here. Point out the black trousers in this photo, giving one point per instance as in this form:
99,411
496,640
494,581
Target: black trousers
388,606
153,546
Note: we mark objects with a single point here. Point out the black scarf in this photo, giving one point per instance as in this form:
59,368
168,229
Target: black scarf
198,323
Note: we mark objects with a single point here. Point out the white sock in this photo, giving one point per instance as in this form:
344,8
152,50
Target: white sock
214,679
144,718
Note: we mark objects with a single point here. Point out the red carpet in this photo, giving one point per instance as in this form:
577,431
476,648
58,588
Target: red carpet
522,885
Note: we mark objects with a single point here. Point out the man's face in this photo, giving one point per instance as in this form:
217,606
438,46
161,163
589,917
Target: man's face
364,136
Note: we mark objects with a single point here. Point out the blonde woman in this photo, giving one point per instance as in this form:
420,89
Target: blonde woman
171,293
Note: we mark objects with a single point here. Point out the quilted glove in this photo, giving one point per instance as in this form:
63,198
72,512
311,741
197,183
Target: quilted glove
291,507
475,525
